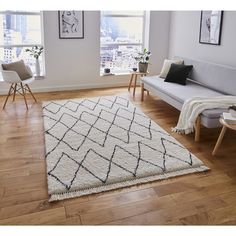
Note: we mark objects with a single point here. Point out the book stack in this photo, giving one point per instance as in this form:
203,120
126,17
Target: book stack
229,118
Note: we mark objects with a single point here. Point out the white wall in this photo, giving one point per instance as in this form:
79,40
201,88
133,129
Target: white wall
184,38
75,63
159,39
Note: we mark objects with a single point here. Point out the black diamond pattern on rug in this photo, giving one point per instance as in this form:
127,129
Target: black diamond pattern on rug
101,141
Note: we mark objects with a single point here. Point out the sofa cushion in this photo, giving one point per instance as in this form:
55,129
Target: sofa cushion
218,77
178,73
210,122
166,67
214,113
180,93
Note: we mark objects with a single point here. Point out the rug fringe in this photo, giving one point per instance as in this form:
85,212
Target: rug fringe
182,131
79,193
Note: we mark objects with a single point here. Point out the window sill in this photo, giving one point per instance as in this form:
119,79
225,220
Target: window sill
40,77
115,74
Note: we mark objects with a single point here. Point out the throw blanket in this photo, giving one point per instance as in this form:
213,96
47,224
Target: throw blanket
195,106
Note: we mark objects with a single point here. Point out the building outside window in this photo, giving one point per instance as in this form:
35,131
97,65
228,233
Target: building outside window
18,31
121,38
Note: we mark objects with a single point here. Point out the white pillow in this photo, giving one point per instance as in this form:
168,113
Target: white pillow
166,67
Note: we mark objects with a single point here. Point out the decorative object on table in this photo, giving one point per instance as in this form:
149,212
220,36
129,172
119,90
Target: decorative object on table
134,69
104,143
143,59
36,51
210,27
229,118
71,24
232,110
107,71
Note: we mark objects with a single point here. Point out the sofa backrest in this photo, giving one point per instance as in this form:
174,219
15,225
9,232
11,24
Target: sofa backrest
218,77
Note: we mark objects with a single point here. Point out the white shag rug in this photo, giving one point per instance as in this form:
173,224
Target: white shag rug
104,143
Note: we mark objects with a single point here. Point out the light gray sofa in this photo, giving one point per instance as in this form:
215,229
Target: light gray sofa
206,79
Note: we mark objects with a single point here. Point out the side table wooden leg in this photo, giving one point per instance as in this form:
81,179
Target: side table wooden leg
135,82
142,92
222,133
130,82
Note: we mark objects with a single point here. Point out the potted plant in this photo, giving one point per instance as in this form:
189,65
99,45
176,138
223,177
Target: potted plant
36,51
143,59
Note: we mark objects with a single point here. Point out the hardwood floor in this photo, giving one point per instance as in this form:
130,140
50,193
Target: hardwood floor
202,198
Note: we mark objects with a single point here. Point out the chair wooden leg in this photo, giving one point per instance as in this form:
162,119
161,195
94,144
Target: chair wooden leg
130,82
197,129
142,91
8,95
23,93
14,94
31,92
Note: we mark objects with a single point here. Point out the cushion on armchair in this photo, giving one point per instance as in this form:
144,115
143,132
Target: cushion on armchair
20,68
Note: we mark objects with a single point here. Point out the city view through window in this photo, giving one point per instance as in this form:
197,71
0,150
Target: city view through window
18,31
121,38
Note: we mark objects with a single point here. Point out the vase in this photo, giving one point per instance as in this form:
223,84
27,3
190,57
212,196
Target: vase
37,67
142,67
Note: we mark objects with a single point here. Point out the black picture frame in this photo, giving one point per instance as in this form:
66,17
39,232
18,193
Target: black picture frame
211,27
71,24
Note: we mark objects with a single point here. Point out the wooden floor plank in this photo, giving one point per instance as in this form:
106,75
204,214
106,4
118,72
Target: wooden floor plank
27,208
125,211
108,202
22,198
201,198
48,217
158,217
216,217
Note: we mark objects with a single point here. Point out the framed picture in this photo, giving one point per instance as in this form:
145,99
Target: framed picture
71,24
210,27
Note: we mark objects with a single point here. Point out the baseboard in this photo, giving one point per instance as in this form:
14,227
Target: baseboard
71,87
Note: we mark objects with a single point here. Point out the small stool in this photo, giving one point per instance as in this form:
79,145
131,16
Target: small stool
134,75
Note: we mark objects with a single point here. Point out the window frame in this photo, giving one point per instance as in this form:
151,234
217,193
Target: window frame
142,44
28,13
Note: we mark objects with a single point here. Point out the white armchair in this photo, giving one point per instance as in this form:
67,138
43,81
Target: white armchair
17,85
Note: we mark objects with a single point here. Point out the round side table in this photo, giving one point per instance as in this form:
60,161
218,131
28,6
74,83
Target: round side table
222,133
134,75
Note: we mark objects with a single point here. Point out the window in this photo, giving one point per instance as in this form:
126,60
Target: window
121,38
18,31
